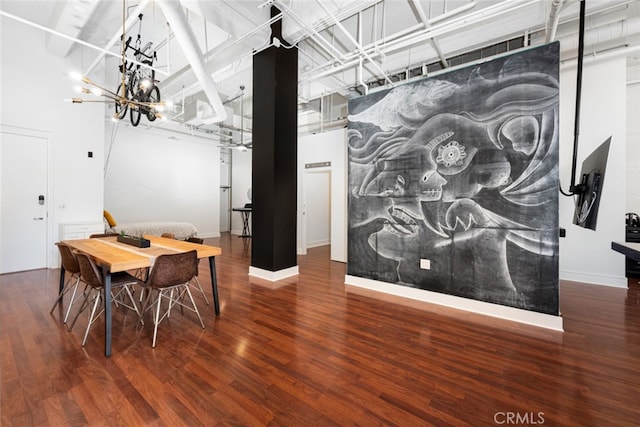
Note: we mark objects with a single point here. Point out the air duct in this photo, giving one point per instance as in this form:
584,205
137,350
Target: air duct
179,24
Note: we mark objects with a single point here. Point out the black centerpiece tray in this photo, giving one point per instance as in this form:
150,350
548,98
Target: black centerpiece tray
139,242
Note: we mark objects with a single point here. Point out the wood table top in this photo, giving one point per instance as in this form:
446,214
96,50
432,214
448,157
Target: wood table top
107,251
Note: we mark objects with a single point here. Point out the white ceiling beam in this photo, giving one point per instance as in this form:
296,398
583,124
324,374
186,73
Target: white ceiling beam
355,42
120,32
68,18
425,22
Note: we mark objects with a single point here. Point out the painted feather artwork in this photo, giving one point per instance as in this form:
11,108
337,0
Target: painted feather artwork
460,170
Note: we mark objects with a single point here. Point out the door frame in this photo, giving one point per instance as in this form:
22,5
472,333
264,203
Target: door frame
302,250
49,219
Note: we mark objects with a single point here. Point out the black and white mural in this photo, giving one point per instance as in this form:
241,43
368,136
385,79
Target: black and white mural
453,182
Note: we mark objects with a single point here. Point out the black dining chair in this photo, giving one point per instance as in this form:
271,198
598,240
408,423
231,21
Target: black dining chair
92,275
170,273
70,264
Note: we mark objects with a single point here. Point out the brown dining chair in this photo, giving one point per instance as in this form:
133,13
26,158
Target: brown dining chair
70,264
169,273
92,275
168,235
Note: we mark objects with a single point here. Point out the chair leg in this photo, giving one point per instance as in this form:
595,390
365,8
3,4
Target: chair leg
199,286
156,319
85,303
133,302
72,300
91,317
171,303
195,308
67,287
145,304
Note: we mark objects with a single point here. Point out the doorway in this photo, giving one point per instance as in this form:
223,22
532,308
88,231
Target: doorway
317,207
24,199
225,190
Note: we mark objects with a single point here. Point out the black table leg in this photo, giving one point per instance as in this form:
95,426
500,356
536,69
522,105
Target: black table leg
246,229
214,284
106,277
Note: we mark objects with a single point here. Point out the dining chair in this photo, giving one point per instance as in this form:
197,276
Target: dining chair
70,264
195,282
171,272
168,235
92,275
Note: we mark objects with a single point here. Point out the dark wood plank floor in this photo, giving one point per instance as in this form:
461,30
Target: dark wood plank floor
311,352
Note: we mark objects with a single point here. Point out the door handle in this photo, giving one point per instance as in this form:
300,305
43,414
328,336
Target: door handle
39,218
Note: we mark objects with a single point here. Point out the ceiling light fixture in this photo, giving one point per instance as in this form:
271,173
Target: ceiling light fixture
137,91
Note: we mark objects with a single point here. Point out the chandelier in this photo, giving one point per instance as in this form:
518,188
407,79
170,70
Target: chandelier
137,92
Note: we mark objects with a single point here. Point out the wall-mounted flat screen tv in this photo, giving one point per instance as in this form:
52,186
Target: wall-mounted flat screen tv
591,184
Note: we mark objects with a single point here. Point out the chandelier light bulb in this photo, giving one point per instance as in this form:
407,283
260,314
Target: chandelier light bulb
145,84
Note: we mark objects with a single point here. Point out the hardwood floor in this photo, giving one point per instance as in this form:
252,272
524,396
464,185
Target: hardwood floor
312,352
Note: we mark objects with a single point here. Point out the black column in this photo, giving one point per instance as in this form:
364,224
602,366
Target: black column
274,155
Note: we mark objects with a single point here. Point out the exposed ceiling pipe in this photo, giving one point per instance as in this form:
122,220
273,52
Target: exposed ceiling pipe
573,189
131,20
604,33
426,24
352,59
419,36
453,12
232,42
355,42
360,71
313,34
216,53
596,56
361,79
552,21
490,12
356,8
180,25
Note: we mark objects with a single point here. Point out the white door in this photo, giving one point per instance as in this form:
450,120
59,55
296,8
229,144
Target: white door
317,189
23,202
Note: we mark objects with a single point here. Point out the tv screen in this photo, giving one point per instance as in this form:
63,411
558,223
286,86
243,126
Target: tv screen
592,181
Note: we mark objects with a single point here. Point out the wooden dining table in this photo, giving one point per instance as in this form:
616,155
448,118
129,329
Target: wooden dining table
114,256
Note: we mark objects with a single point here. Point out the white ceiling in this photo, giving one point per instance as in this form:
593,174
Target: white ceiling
392,39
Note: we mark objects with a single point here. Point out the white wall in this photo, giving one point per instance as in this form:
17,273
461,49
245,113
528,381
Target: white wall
33,87
152,176
633,145
586,255
331,147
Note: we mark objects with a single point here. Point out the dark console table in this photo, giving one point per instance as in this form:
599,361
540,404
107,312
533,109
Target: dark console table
246,216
